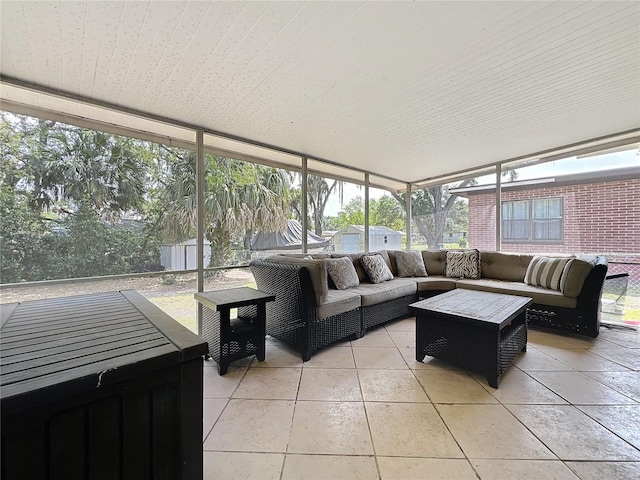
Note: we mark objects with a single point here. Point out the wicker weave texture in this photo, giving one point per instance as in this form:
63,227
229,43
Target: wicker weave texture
237,347
468,346
373,315
292,318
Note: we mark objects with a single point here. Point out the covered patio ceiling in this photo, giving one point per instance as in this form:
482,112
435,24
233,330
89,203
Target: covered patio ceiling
407,92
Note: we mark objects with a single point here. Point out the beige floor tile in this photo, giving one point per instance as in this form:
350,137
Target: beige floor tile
391,386
221,386
332,357
536,360
606,470
623,420
411,430
627,383
248,466
584,361
395,468
545,338
402,325
579,389
323,467
572,435
448,386
403,339
334,428
490,431
252,426
523,469
379,358
375,337
269,384
330,384
278,355
516,387
409,355
627,357
211,410
625,338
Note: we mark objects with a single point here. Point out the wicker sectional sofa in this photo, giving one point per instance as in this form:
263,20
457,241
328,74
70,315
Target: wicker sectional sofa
309,314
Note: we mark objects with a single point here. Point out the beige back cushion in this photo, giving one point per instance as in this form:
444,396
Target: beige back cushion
575,274
435,261
317,272
504,266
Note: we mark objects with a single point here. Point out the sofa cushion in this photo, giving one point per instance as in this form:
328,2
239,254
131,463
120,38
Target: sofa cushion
463,264
374,293
575,273
541,296
410,264
435,282
337,302
355,259
376,268
504,266
435,261
342,272
545,272
317,272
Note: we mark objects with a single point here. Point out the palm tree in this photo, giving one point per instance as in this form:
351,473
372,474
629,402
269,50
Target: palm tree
239,198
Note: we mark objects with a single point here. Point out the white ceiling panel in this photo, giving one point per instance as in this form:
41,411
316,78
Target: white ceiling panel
407,91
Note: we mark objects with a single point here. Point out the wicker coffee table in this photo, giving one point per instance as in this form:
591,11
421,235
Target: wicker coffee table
480,331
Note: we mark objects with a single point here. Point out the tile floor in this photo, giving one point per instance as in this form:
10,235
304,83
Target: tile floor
568,408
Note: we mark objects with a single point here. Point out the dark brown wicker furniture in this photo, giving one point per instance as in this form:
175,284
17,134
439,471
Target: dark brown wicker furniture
233,339
99,386
585,318
480,331
292,318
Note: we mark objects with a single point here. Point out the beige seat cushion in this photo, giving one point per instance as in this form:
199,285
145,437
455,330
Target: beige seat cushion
337,302
436,282
374,293
540,295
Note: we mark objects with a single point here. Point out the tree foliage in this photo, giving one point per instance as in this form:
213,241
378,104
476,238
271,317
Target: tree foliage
239,198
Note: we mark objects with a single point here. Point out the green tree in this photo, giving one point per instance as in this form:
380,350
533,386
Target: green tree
352,213
319,190
239,197
61,164
388,212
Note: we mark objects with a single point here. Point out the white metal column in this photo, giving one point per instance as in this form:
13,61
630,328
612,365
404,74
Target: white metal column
304,204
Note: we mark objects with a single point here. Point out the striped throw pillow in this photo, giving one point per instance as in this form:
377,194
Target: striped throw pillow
463,264
545,272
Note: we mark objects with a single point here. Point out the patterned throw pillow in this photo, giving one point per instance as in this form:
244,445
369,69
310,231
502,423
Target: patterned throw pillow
545,272
463,264
342,272
410,264
376,268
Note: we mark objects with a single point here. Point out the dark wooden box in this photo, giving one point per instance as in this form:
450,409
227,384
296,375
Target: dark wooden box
99,386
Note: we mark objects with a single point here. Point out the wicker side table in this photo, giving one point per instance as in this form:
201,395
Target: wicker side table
233,339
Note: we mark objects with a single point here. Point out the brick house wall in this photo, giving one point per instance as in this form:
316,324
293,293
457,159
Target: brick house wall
599,217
